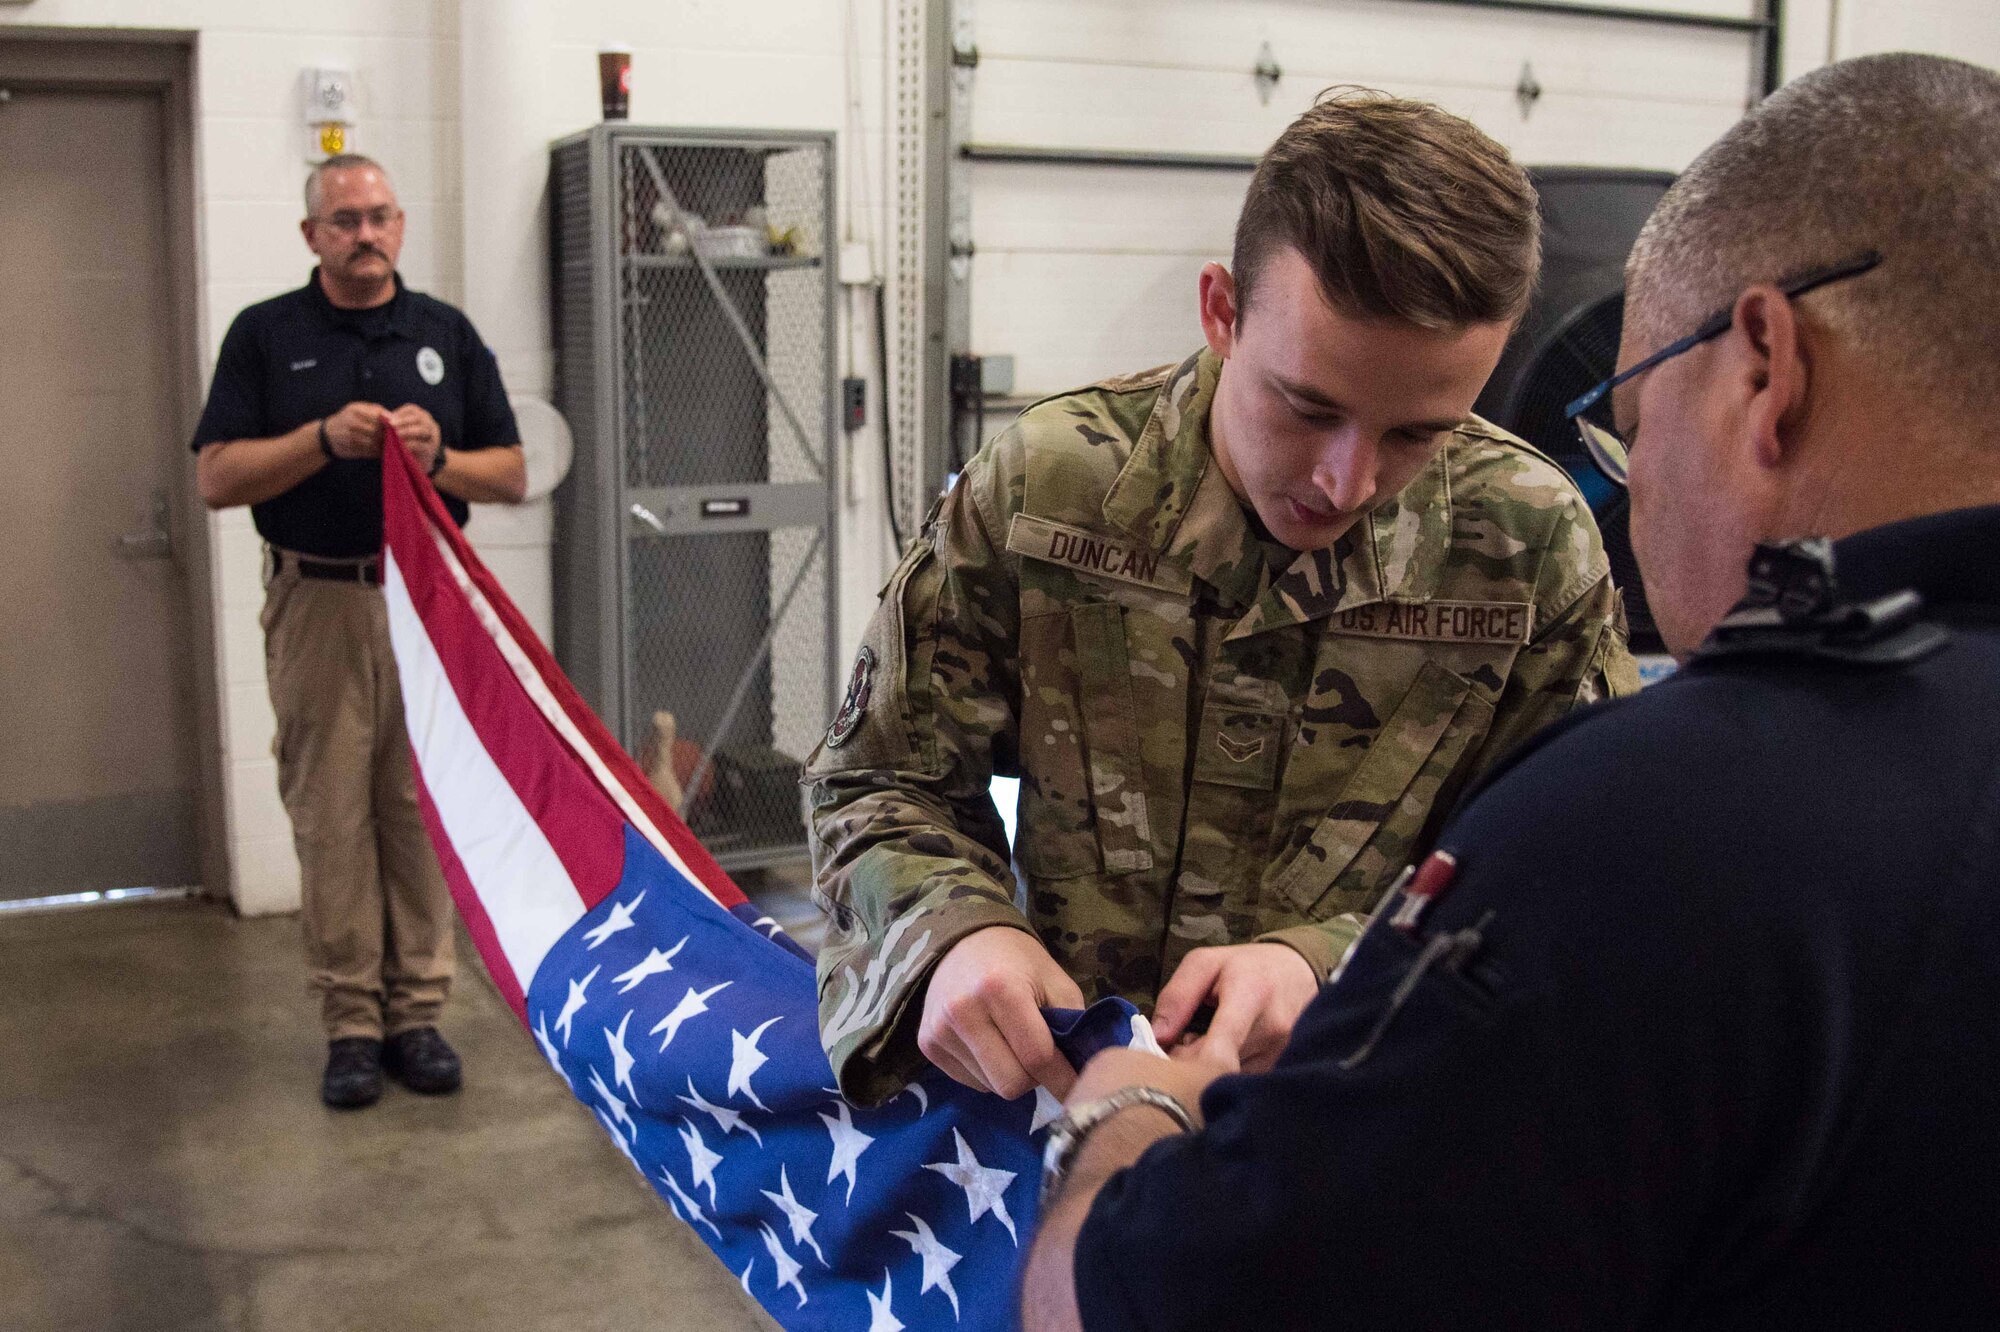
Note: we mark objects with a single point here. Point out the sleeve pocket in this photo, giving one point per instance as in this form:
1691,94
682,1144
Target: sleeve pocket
1083,794
1111,738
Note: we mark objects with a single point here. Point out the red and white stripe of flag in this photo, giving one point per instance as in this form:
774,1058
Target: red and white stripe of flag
525,793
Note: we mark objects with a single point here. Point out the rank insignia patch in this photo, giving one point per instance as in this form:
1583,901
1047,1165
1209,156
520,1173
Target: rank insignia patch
1239,751
855,706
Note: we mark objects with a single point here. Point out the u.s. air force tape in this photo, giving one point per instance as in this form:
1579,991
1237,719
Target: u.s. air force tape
1092,553
1499,622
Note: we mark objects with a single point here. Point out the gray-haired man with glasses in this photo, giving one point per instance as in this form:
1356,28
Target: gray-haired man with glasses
305,387
1690,1020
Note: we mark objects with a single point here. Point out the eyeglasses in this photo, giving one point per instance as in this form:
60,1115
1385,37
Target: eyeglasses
1606,448
348,222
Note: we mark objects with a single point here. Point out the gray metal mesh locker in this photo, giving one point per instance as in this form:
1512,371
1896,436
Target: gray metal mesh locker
695,535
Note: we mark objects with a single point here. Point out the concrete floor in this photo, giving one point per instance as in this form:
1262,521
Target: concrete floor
165,1163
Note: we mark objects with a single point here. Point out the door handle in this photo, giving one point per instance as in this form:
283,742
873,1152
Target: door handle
650,519
155,542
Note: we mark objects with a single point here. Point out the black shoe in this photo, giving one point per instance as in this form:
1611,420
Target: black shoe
353,1073
420,1060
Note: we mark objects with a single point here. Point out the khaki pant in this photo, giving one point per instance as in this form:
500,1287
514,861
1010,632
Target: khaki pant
377,913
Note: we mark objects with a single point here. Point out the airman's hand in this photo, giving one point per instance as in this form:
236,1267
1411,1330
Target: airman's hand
982,1020
1259,990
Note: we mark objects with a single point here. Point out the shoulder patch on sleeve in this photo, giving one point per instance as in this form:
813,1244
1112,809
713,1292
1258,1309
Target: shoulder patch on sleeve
1095,554
860,688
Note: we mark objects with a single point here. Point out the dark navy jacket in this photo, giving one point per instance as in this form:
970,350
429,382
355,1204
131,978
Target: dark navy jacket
1727,1056
297,358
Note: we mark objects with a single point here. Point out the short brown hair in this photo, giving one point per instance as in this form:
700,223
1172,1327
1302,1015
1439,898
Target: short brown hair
1403,210
1898,153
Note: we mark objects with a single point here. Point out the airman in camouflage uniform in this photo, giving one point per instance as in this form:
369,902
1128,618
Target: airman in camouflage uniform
1219,739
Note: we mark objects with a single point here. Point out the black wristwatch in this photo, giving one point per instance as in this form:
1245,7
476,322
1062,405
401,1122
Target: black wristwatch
437,463
325,444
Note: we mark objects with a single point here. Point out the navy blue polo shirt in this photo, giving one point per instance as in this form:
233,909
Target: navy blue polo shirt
1716,1043
297,358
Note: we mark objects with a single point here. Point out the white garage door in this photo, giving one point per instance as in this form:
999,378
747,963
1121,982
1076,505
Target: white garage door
1086,271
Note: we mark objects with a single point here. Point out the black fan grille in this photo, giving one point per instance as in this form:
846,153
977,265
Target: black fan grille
1582,353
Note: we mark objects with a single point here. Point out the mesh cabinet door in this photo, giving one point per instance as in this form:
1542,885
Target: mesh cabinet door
715,376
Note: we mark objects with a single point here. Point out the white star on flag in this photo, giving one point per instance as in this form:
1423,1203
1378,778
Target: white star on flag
848,1144
796,1212
549,1050
656,963
729,1121
619,920
613,1103
745,1059
881,1318
686,1203
621,1058
938,1260
701,1161
1047,1110
923,1101
788,1266
693,1003
985,1189
574,1004
617,1137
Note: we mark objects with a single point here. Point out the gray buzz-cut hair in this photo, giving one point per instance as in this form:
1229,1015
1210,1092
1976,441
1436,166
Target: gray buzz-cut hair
1897,153
337,162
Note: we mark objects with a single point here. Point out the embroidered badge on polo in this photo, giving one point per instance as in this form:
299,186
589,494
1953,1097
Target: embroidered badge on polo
430,365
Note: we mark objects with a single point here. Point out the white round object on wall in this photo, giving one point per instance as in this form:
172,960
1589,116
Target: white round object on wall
547,446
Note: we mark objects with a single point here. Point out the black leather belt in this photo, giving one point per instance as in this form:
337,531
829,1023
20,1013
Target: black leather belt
334,571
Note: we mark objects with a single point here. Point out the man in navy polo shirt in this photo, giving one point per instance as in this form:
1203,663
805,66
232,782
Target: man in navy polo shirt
304,387
1691,1022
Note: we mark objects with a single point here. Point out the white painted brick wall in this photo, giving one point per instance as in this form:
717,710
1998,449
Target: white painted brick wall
699,62
250,164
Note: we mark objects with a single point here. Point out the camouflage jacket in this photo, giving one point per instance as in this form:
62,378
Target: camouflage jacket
1209,753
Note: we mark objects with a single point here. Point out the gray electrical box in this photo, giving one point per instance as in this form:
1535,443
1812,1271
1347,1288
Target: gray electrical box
695,535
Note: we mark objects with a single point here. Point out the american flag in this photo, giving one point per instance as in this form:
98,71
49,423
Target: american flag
685,1021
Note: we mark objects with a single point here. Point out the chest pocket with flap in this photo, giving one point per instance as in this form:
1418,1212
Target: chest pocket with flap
1388,798
1083,797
